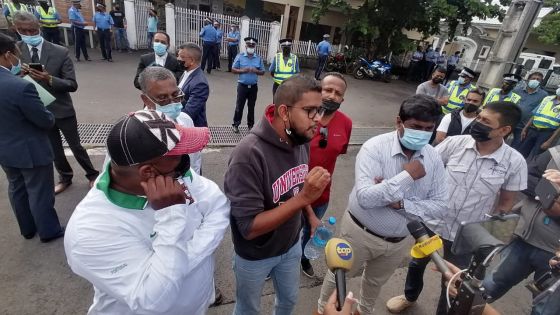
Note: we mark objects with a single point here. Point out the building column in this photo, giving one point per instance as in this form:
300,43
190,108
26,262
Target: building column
299,21
285,21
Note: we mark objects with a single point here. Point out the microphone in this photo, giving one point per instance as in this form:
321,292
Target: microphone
426,246
338,253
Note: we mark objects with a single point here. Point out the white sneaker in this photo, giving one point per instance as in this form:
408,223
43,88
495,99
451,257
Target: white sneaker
398,304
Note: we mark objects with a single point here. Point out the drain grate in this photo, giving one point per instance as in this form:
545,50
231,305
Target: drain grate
95,134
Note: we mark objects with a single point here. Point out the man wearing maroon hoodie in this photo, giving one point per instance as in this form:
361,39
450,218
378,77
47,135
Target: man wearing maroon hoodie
270,188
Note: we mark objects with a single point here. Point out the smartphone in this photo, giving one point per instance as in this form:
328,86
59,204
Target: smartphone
36,66
547,192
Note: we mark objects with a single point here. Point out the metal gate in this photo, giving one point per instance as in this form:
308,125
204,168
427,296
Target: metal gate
141,18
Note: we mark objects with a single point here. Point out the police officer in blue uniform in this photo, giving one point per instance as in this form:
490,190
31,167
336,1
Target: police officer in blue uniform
208,35
249,66
78,24
233,44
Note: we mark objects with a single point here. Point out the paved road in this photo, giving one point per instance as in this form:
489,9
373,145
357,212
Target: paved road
34,277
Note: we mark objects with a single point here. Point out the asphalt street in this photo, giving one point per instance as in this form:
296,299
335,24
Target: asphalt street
35,278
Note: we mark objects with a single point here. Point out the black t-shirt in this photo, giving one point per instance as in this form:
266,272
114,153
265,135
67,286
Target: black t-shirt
118,18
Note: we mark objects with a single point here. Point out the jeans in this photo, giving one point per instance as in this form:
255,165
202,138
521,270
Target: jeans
150,39
249,95
319,212
320,66
516,142
415,276
250,277
549,305
531,146
518,261
121,39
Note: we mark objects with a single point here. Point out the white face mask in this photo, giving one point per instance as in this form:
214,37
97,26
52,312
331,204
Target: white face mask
250,51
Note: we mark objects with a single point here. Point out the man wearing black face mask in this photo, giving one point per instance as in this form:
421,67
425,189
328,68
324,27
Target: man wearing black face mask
479,167
505,93
435,88
269,187
284,65
459,121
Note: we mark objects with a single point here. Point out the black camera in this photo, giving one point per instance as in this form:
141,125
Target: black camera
545,281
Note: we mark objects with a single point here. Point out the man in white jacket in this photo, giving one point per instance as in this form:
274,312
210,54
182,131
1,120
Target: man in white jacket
146,234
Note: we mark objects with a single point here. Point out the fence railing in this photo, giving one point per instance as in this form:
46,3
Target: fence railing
141,15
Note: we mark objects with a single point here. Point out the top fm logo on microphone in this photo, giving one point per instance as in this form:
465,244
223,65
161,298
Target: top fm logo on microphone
344,251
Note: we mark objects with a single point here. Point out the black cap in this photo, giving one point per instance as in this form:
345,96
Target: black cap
145,135
250,40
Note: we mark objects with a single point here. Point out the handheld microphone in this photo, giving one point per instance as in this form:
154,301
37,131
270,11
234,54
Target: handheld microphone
419,233
338,253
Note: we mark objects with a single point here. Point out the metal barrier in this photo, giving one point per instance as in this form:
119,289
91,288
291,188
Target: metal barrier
141,9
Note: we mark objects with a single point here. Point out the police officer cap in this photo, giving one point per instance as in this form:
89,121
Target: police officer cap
100,5
512,77
216,22
467,72
285,42
326,36
76,1
207,19
250,40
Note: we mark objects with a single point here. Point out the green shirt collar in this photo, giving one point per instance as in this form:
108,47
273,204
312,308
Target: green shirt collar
120,199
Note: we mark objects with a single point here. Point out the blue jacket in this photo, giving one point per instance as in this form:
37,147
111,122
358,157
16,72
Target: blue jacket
209,34
24,124
196,94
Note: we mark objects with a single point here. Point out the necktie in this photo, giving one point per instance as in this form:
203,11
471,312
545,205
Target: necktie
34,55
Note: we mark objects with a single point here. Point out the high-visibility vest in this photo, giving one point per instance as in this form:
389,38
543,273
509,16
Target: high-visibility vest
13,9
282,70
457,95
494,96
547,115
47,19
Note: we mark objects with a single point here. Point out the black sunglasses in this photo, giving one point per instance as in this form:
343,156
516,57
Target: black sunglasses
324,135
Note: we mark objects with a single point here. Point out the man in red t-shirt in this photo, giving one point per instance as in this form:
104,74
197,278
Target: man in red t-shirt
330,140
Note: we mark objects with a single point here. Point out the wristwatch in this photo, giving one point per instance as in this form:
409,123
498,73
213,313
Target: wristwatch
401,204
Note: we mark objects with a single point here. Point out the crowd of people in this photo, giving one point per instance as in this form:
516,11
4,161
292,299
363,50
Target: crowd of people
151,222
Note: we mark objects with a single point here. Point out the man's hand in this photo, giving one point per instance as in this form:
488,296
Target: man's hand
314,222
39,75
330,307
552,175
546,145
315,182
523,133
395,205
415,169
163,192
378,180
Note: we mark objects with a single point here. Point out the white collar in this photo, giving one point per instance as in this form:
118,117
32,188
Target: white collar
39,48
162,59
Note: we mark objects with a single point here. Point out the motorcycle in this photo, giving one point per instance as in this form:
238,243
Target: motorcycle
339,63
375,69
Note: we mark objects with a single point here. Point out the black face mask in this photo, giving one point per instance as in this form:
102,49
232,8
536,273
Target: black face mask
437,80
297,139
330,106
470,108
480,132
286,50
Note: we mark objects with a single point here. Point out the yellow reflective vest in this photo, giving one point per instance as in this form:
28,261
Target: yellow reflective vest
495,96
457,95
547,115
282,70
47,19
12,9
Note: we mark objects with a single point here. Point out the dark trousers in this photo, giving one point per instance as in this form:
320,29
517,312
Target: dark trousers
69,128
207,56
274,88
31,194
413,73
232,53
217,51
428,70
104,37
249,95
415,276
51,34
450,70
531,145
80,42
320,66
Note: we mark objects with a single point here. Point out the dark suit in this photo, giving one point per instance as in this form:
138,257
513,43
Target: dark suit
196,94
149,60
58,64
26,156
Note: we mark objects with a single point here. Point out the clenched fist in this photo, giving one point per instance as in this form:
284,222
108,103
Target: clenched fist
415,169
315,182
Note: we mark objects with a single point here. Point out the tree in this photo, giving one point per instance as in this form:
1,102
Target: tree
548,31
380,22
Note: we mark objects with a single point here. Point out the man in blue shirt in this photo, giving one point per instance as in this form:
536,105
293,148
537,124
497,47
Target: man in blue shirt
323,51
531,96
233,44
208,35
218,45
248,65
103,22
78,25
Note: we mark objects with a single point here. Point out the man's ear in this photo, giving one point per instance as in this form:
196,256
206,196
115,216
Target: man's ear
146,172
283,112
507,130
147,103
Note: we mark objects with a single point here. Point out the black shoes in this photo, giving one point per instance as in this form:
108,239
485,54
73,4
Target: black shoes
307,268
235,129
54,237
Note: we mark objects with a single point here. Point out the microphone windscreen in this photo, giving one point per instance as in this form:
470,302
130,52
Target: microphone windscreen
416,229
338,254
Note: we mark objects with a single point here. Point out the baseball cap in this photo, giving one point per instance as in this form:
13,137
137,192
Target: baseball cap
147,134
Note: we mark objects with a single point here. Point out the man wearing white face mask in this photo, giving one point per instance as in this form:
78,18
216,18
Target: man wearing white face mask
249,66
160,57
398,178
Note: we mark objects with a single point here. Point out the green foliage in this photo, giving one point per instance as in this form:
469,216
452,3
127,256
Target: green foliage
548,31
380,22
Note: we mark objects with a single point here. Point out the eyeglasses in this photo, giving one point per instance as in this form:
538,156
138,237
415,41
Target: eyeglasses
324,136
312,111
167,101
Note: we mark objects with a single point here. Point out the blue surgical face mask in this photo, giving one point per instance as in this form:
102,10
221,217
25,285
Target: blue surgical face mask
160,49
33,40
415,140
171,110
533,84
461,80
16,69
